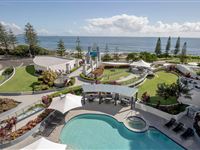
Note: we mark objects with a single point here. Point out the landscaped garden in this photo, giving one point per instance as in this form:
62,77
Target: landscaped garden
25,79
150,86
21,81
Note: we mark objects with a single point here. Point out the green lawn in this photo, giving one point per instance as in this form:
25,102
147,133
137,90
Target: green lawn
22,80
2,77
114,74
150,86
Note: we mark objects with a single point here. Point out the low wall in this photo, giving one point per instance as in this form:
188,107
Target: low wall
159,113
21,138
24,136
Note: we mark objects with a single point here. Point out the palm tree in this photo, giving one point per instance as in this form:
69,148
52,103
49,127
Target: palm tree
163,90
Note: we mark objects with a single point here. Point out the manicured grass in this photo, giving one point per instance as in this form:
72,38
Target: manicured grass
114,74
2,77
132,80
150,86
22,80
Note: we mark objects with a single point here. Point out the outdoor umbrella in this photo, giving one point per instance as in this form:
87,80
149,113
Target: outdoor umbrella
44,144
66,103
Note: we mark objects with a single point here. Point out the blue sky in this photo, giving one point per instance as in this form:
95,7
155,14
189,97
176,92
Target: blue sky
103,18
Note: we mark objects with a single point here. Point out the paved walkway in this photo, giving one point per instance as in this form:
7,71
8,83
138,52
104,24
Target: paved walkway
77,77
76,73
127,78
25,100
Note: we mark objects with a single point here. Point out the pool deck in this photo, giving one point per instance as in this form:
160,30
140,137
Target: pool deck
120,113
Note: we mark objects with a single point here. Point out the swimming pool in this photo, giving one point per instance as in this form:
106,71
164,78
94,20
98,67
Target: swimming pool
97,131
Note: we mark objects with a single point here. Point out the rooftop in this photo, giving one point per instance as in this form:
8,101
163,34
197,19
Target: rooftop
46,61
122,90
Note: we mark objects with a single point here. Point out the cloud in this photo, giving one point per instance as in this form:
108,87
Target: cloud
42,32
15,28
130,25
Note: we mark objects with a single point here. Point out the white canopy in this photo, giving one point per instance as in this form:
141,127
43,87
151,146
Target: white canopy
115,63
122,90
66,103
141,63
44,144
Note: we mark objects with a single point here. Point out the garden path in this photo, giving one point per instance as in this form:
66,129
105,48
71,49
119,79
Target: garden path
127,78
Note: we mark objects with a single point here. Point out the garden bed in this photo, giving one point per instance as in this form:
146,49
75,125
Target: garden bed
7,104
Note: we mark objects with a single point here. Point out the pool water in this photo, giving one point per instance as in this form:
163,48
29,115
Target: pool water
95,131
135,123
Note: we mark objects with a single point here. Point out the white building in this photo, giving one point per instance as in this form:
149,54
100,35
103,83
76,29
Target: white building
54,63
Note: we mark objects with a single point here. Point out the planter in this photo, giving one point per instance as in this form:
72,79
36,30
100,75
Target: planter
158,112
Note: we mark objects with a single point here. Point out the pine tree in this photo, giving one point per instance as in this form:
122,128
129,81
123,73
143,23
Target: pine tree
78,48
168,46
116,55
106,57
61,48
12,39
31,38
183,56
158,47
3,39
177,47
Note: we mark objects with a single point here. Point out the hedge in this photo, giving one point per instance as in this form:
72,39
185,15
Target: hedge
74,69
8,71
76,89
86,78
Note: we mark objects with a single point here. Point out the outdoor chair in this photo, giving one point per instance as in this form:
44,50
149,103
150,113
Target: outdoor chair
47,123
188,133
124,102
170,123
179,127
55,119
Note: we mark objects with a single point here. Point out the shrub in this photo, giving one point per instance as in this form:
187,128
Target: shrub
198,73
86,77
8,71
71,82
40,87
48,77
23,51
76,89
98,72
145,97
107,57
74,69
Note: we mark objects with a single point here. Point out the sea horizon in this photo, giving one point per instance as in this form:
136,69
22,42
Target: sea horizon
124,44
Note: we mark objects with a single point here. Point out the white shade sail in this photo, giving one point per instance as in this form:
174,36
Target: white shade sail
141,63
122,90
66,103
44,144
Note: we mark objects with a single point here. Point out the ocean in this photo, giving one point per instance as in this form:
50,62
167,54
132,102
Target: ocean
124,44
